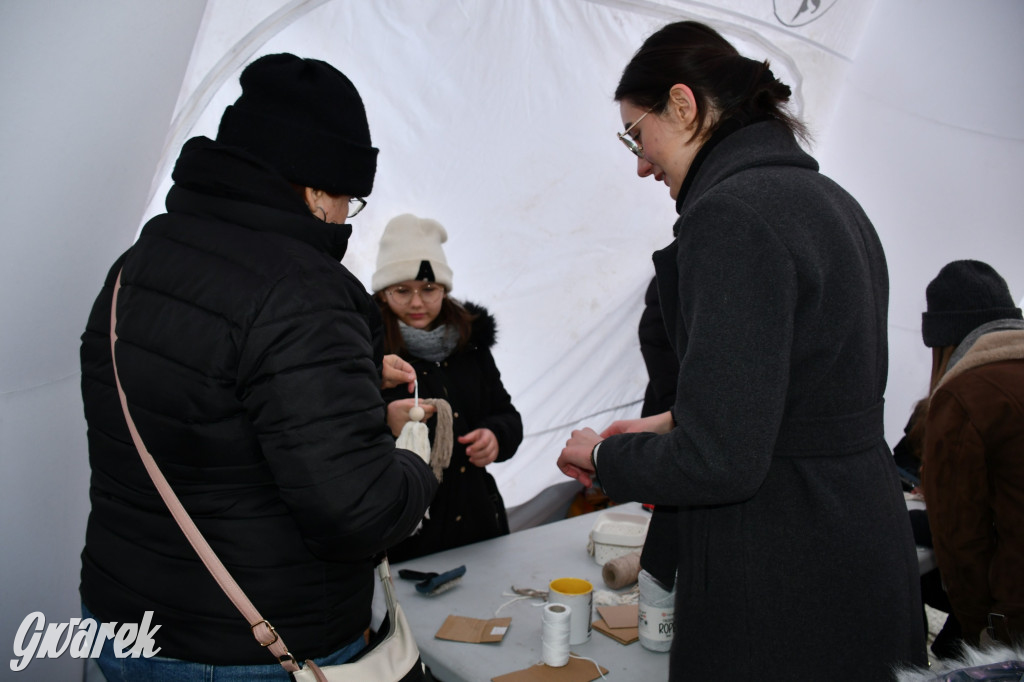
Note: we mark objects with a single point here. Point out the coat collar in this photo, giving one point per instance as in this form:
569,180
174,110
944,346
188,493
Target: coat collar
724,129
734,149
996,341
213,180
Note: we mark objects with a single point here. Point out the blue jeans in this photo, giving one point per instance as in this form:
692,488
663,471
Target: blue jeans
160,669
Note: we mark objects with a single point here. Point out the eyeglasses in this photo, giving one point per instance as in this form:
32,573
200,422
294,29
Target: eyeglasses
355,205
429,293
627,139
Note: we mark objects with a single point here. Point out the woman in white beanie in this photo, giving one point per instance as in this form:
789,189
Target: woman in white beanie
449,344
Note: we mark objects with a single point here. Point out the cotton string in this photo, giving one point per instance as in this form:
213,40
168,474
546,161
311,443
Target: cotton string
584,658
441,451
555,638
609,598
621,571
555,635
414,434
554,630
521,593
530,592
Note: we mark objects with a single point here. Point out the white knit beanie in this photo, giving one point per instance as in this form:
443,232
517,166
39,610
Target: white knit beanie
410,249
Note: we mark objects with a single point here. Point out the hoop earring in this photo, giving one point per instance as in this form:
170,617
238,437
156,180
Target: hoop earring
322,211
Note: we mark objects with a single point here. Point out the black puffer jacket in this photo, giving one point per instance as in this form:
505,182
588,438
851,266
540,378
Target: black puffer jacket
467,507
248,354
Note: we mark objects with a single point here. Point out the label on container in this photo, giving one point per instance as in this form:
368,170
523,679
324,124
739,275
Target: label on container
656,623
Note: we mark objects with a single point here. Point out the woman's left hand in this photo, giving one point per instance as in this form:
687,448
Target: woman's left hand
575,460
481,446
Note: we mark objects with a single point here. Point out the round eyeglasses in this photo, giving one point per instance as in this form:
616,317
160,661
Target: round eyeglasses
428,293
355,205
627,139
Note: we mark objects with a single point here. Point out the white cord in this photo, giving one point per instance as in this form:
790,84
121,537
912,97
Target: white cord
584,658
512,601
551,632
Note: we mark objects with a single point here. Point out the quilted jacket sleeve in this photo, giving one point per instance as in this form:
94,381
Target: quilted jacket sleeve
310,384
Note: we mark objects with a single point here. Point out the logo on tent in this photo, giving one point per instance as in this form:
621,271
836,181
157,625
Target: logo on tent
801,12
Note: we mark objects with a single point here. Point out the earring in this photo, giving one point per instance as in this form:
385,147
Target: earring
322,211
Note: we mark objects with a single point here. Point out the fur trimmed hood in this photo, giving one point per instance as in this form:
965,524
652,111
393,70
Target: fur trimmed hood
485,327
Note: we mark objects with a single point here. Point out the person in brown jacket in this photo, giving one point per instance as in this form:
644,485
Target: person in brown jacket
973,455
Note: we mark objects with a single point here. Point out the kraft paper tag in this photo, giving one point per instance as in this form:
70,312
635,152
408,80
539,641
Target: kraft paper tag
619,623
472,630
625,616
620,635
576,670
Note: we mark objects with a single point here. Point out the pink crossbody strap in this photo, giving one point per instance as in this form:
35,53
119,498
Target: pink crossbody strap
262,630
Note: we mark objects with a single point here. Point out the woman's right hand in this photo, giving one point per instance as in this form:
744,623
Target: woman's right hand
656,423
395,371
398,413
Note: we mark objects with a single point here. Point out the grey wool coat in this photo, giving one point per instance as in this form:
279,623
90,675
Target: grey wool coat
795,554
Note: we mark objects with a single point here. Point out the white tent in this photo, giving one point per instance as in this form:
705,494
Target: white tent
494,117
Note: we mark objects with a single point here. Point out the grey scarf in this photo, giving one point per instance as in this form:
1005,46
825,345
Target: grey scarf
972,338
434,345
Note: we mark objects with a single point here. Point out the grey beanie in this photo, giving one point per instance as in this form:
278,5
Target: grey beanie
410,249
965,295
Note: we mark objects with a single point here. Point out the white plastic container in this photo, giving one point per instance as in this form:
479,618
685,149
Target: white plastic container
655,613
617,534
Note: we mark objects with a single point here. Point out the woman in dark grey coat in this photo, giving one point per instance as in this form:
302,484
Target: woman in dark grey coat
795,557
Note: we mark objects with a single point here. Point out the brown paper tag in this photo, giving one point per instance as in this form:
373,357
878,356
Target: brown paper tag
462,629
620,616
621,635
576,670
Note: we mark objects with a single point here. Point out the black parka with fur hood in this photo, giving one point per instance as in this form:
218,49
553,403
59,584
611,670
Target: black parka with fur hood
250,359
467,507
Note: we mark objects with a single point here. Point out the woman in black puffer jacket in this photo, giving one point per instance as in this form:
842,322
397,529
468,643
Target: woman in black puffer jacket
449,344
251,361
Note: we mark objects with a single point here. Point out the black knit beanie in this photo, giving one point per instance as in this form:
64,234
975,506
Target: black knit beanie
965,295
306,119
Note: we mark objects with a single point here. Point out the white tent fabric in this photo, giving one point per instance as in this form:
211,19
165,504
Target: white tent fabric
496,118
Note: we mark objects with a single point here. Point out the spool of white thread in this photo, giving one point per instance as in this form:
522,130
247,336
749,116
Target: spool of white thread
555,635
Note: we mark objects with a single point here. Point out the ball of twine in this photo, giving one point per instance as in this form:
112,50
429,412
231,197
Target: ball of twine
622,571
